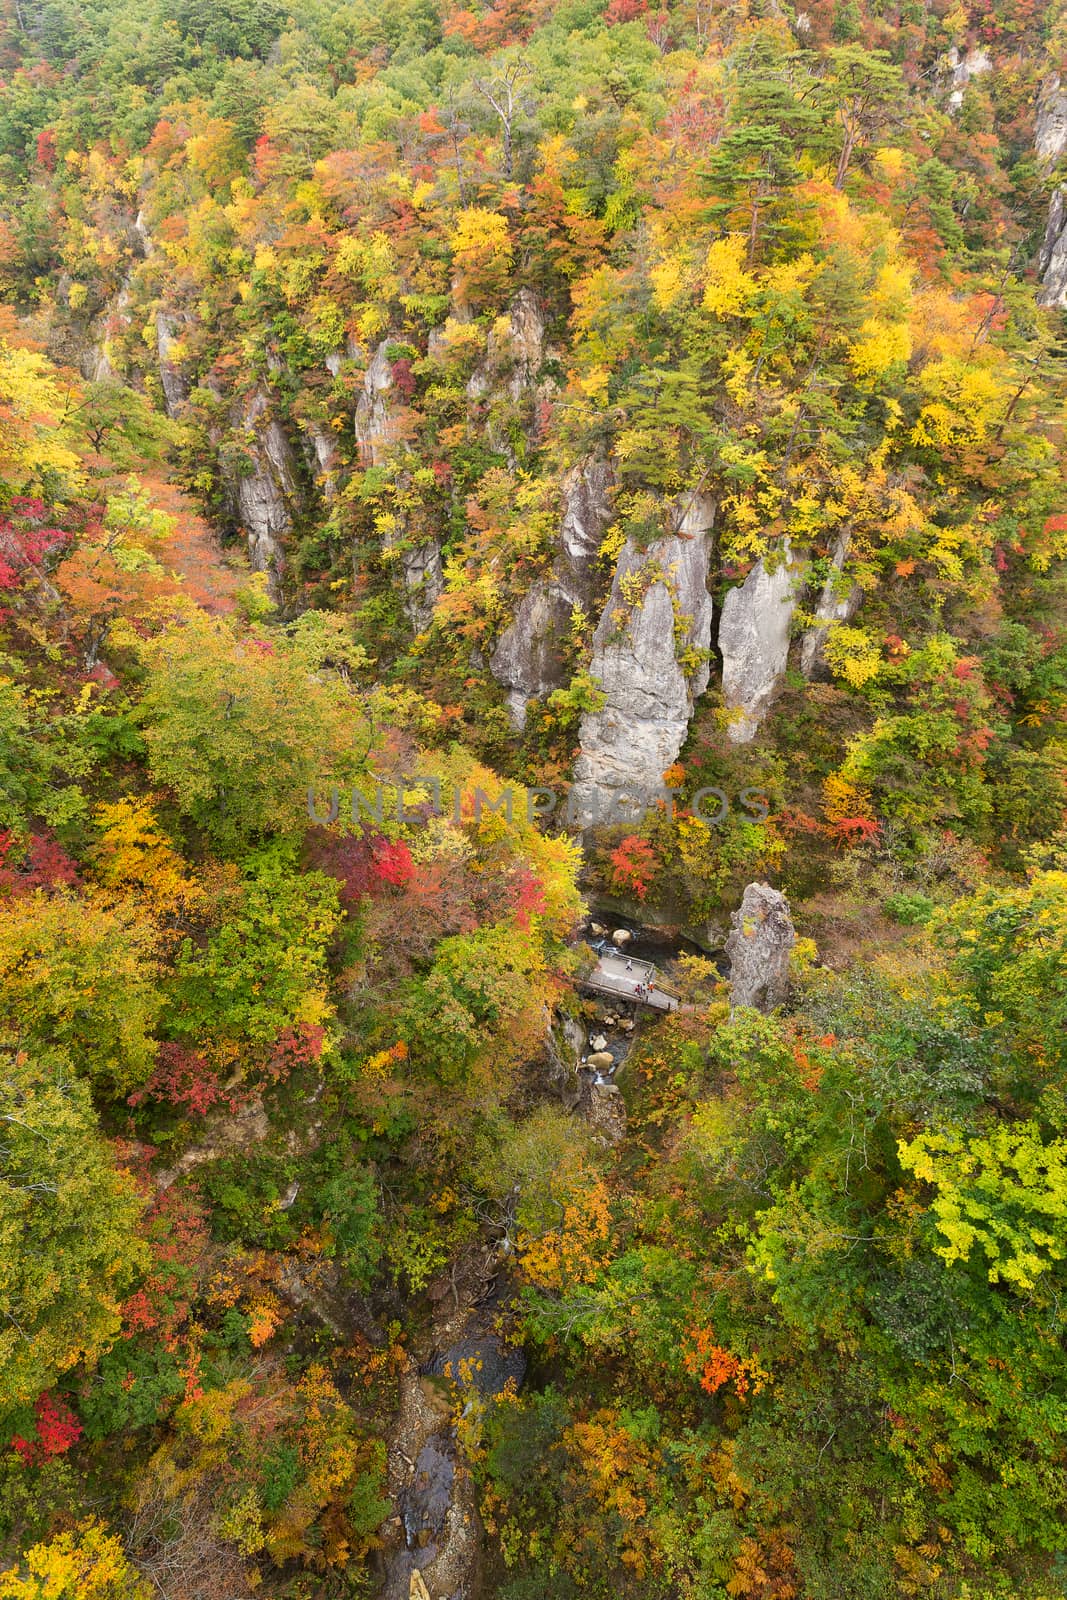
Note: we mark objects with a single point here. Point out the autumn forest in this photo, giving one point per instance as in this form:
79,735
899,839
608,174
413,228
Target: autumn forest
533,800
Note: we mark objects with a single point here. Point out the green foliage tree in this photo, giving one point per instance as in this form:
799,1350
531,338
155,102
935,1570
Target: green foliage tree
68,1221
264,969
240,727
80,974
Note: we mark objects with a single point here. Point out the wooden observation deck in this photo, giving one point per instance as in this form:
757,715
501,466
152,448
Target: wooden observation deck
621,977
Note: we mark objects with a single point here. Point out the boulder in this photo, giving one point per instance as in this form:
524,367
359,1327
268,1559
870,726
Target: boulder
759,946
606,1113
598,1043
659,607
600,1060
754,633
839,601
622,936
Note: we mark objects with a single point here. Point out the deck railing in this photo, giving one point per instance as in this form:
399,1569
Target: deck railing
625,988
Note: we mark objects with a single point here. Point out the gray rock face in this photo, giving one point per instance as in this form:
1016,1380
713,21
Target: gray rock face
1050,127
424,582
514,360
754,641
510,370
140,228
529,658
1052,261
266,494
374,426
975,64
839,602
1050,141
322,456
659,605
175,384
759,945
96,360
420,562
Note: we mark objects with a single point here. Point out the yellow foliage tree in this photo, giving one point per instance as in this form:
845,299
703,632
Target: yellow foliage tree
84,1563
36,408
135,857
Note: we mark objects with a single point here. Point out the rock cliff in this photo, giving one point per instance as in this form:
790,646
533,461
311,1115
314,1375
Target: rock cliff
754,633
266,491
1050,142
174,381
839,601
510,377
659,608
375,423
529,659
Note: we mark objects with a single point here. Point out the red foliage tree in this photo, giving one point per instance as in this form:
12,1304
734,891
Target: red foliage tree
26,537
181,1078
46,149
176,1230
633,863
624,11
527,897
362,866
57,1429
295,1047
37,863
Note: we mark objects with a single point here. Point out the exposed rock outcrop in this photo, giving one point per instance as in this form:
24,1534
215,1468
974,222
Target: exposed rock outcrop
1052,261
97,359
322,457
419,559
759,946
1050,128
529,658
839,601
175,383
975,64
659,607
266,490
754,632
515,355
1050,141
424,581
375,426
